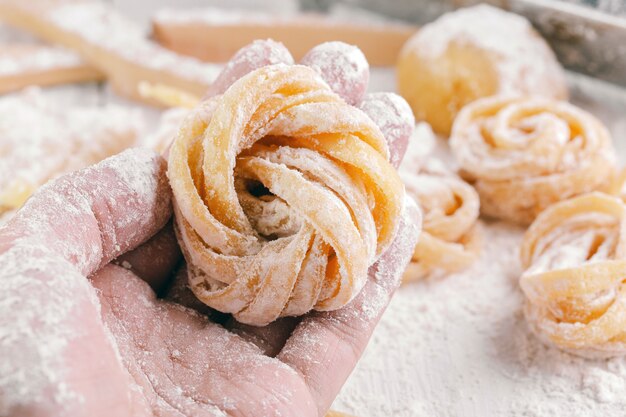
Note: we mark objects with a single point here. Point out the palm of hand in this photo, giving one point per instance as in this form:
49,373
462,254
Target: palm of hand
185,364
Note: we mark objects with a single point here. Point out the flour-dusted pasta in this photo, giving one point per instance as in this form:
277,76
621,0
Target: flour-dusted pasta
284,196
451,238
574,257
523,154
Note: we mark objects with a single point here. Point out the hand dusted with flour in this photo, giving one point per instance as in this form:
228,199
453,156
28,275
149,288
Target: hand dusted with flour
284,196
156,356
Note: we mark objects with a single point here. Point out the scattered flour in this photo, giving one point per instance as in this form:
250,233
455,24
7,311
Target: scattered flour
99,24
284,15
41,141
460,346
19,58
453,346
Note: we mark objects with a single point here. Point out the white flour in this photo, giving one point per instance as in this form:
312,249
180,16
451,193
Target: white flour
41,141
100,25
20,58
459,345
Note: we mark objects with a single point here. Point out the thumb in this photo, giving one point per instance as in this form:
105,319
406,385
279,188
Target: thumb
57,357
92,216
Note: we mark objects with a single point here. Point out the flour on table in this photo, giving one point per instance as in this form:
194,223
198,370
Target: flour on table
99,24
19,58
41,141
466,351
460,345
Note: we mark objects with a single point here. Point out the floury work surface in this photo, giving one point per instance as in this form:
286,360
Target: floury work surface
459,345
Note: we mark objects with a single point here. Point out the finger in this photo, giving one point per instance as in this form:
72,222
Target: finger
394,117
325,347
92,216
258,54
344,68
154,261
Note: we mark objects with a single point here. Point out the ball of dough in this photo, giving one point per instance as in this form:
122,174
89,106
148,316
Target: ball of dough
472,53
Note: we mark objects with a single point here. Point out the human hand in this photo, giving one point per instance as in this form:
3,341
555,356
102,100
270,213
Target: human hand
110,346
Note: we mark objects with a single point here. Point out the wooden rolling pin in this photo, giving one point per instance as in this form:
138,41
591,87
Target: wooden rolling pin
215,35
24,64
110,42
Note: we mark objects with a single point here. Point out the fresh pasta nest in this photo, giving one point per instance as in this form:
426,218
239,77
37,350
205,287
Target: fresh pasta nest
523,154
574,257
284,196
451,238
